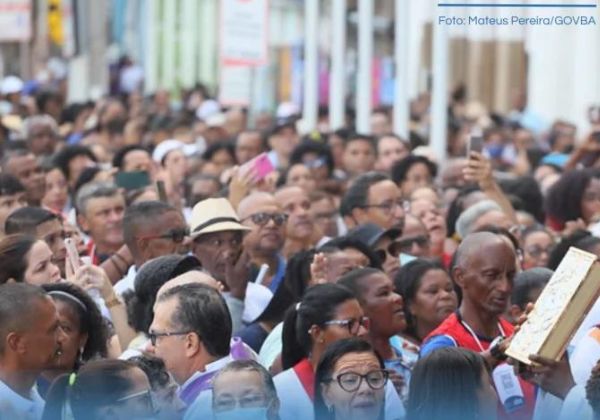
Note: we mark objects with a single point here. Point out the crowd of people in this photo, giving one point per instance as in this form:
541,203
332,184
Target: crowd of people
173,259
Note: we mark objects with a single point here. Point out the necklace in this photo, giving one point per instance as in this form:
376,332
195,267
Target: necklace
470,331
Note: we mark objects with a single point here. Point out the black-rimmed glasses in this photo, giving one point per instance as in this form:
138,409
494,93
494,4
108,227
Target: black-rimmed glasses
388,206
351,381
153,335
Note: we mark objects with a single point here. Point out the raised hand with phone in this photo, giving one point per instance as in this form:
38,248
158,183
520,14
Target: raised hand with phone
479,170
248,176
95,281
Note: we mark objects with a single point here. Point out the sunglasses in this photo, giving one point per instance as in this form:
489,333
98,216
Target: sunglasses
175,235
261,219
402,246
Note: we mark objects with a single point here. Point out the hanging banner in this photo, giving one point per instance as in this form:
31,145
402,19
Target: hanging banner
235,86
244,32
15,20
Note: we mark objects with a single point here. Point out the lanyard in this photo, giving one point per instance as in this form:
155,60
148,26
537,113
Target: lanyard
470,331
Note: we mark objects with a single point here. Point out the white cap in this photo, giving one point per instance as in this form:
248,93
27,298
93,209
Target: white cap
287,110
216,120
166,147
207,109
11,84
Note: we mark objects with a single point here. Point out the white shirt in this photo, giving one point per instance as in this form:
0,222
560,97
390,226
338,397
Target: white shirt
583,352
576,405
271,347
14,406
296,404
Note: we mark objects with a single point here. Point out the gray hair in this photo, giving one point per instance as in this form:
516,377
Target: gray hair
93,190
468,217
34,120
202,310
251,366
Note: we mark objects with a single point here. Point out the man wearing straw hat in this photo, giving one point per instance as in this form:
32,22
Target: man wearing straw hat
217,236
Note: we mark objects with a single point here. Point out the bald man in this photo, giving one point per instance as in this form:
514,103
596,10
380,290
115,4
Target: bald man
193,276
263,214
485,269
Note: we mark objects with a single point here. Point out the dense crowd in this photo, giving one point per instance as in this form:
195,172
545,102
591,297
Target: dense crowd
168,259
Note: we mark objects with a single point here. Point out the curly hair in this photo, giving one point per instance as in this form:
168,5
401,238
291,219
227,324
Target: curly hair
592,390
91,320
563,201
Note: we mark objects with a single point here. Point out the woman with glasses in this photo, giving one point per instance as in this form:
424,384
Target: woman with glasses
385,311
451,383
538,244
350,382
327,313
317,157
164,388
429,297
104,389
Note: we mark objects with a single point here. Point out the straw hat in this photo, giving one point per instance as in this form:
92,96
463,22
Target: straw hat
214,215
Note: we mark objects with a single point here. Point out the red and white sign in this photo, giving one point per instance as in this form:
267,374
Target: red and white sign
15,20
244,32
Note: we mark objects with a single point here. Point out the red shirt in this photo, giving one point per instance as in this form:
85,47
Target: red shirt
454,328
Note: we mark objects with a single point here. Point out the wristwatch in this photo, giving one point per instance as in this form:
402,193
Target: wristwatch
495,351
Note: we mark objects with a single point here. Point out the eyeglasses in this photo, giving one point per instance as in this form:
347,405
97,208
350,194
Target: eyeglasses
353,325
315,163
247,401
145,398
326,215
392,250
405,245
388,206
537,251
261,219
516,229
351,381
154,335
175,235
591,196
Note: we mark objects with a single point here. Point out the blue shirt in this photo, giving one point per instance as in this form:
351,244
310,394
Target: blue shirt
435,343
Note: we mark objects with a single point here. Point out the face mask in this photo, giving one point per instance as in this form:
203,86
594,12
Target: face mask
405,259
254,413
495,150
